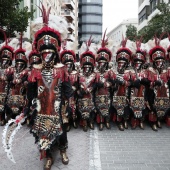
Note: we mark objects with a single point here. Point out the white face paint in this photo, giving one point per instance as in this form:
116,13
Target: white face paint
48,57
138,65
159,63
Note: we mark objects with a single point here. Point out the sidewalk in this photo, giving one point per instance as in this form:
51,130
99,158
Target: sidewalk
96,150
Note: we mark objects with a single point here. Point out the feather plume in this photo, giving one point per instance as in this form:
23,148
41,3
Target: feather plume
88,43
104,41
124,41
138,43
45,14
157,40
58,23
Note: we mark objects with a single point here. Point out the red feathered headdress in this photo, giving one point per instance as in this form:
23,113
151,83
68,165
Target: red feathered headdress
157,52
104,53
67,55
6,51
34,56
20,53
88,57
47,38
140,54
124,53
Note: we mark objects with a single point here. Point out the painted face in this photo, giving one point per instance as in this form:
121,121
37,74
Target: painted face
102,66
121,65
19,66
87,70
34,60
47,57
69,66
159,63
5,63
138,65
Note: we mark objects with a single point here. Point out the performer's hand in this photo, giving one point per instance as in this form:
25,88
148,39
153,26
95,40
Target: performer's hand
74,88
157,83
107,84
89,89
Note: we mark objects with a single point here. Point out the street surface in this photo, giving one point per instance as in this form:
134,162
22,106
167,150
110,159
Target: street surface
96,150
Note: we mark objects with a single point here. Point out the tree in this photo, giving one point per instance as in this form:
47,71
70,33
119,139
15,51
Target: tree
158,24
13,18
131,32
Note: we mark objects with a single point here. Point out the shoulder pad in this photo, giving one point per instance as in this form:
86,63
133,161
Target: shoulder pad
59,65
37,66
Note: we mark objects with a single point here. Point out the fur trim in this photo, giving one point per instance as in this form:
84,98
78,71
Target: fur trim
38,108
37,66
57,106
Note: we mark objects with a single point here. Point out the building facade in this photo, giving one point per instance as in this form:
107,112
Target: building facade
65,8
69,10
119,31
90,20
147,10
32,5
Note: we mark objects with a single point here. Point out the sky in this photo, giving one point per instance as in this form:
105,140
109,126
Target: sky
115,11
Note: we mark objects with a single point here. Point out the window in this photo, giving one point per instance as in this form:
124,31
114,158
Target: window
91,1
92,19
92,28
142,18
153,4
143,15
91,9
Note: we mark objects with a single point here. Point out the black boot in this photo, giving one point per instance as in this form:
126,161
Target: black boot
141,125
154,127
64,157
159,124
101,126
68,127
126,124
75,124
85,128
91,125
2,120
121,128
107,124
48,164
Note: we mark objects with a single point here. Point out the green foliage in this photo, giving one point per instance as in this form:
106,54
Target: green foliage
13,18
131,32
158,24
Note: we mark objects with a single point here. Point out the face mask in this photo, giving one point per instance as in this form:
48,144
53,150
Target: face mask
102,66
138,65
159,64
19,66
87,70
5,63
69,66
47,57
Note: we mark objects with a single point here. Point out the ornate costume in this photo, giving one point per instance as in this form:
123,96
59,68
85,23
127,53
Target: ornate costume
168,74
86,81
159,78
68,58
18,85
52,87
104,85
121,96
6,57
34,59
137,87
